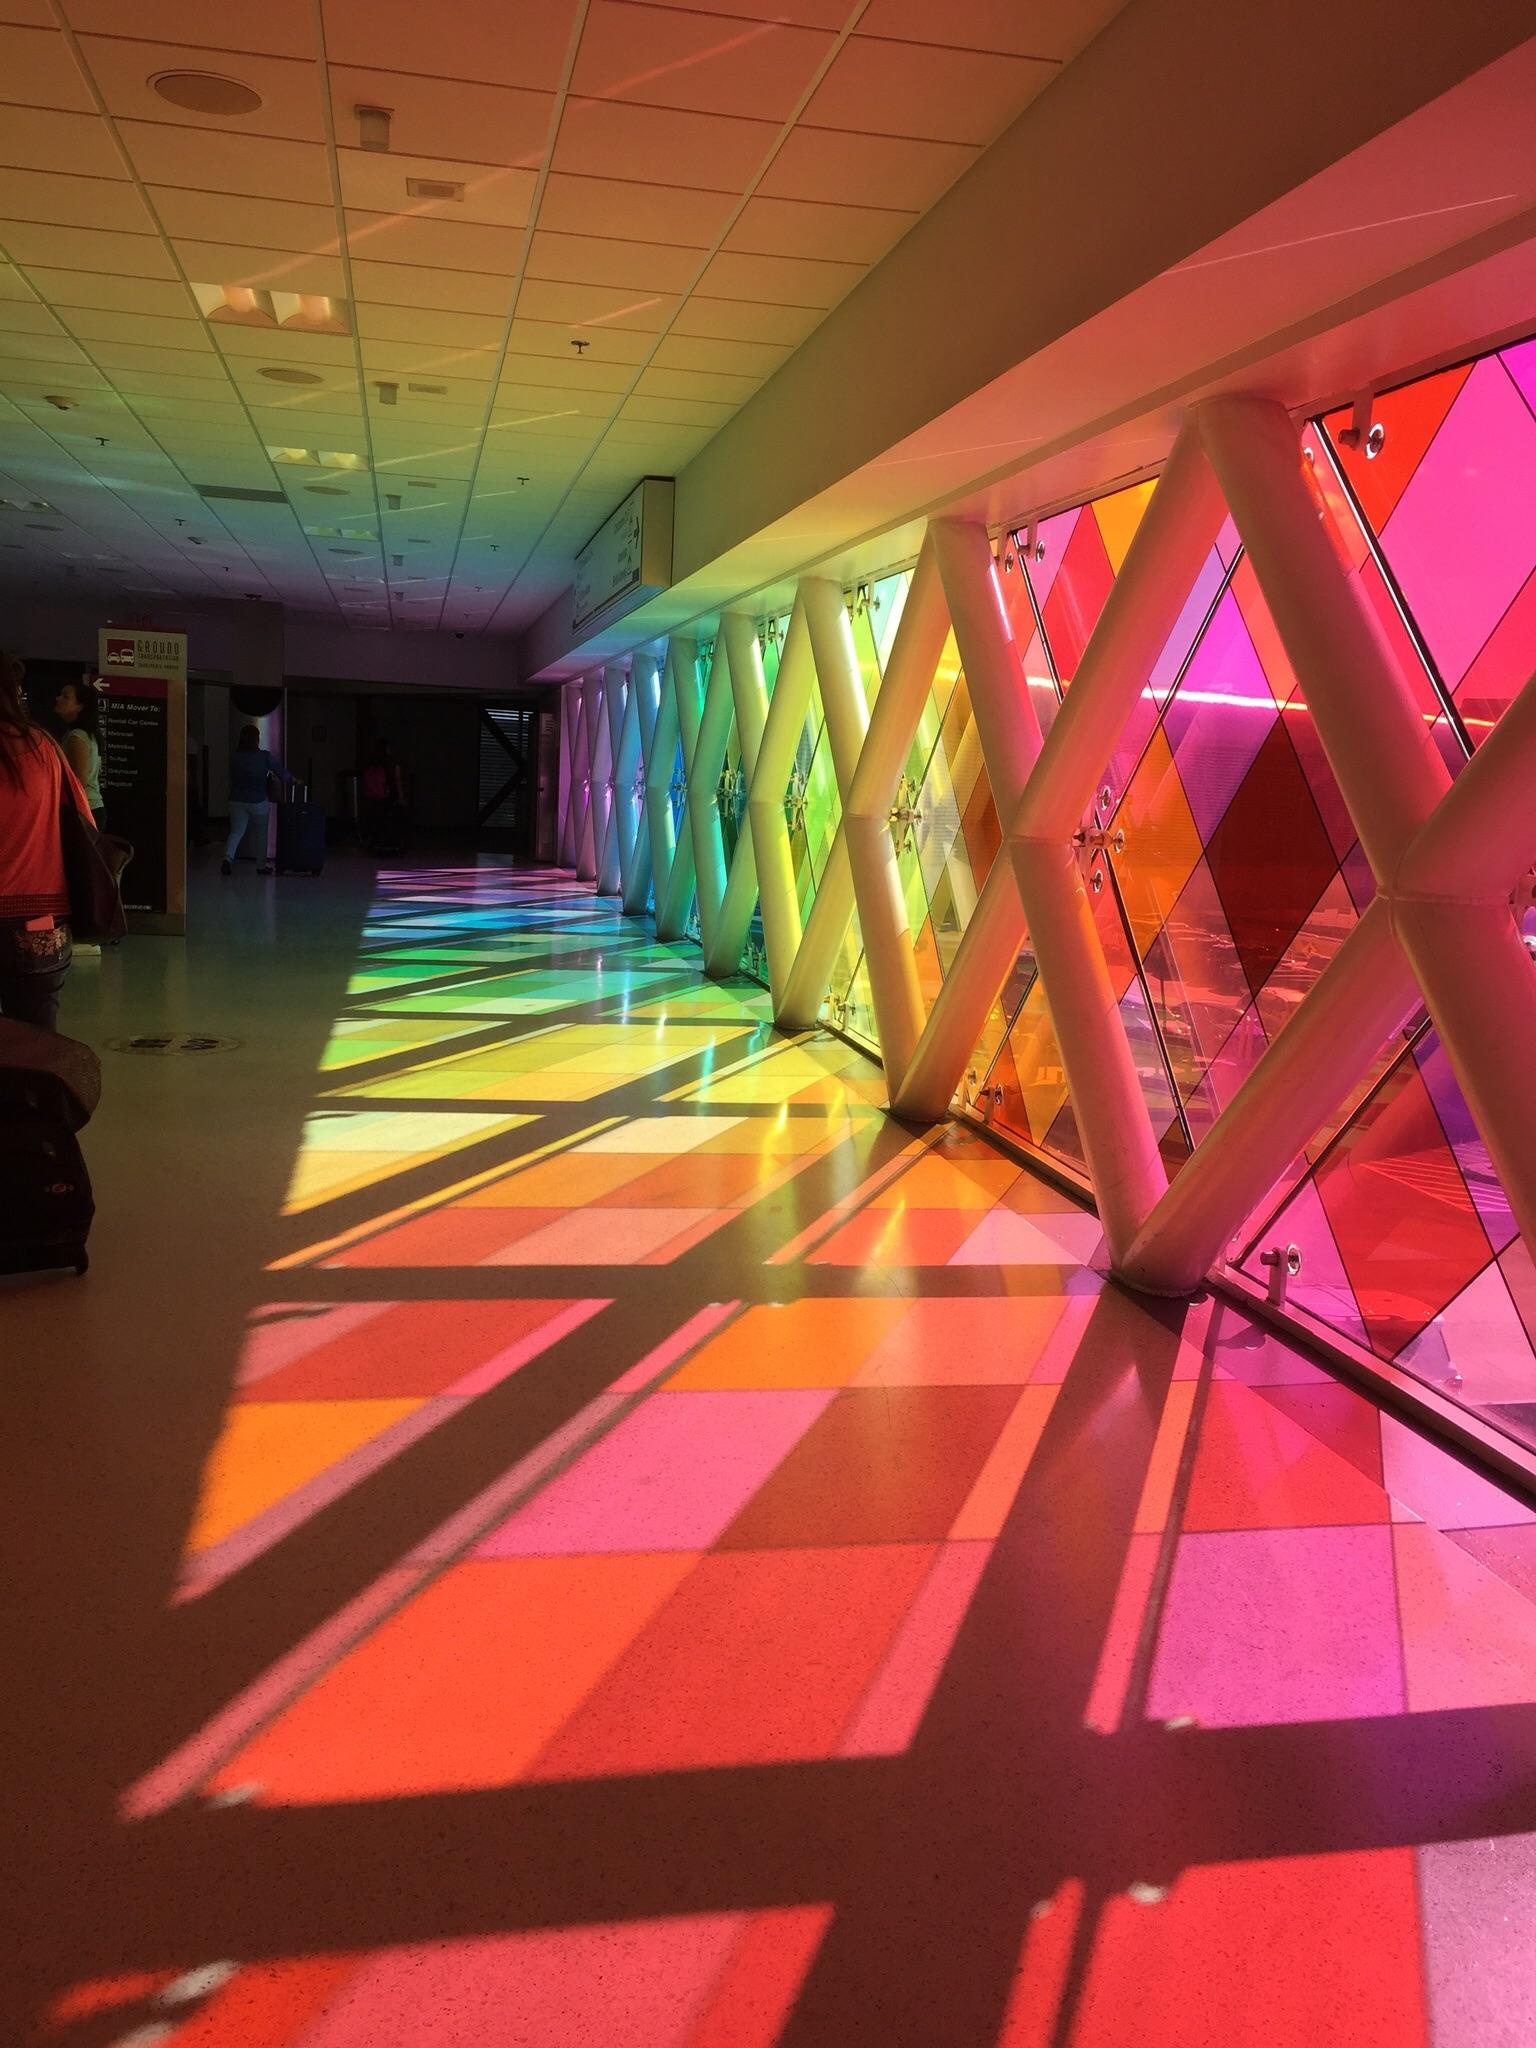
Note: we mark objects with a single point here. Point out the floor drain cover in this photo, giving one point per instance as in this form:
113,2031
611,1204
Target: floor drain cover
166,1043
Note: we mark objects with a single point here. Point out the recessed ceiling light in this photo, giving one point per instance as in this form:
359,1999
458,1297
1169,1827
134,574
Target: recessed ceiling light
282,375
206,92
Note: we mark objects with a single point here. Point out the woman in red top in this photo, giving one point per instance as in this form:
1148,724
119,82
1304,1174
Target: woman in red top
34,899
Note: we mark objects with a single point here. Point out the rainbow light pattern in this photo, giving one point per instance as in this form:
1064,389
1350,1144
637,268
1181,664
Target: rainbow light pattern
697,1565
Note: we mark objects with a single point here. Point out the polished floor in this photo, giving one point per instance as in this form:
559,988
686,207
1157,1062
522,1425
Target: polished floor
552,1521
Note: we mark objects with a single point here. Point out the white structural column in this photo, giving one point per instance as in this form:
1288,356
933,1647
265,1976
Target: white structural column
749,703
658,705
1175,536
643,690
1008,729
610,866
704,770
836,663
682,669
872,850
570,773
594,820
773,856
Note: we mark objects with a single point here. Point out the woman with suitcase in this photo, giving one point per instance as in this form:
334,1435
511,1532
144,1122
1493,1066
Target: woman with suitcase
251,770
35,779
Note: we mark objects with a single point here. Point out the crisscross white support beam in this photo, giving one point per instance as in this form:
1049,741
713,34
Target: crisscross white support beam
704,770
836,662
673,906
570,775
609,861
641,709
1176,534
773,856
749,705
1008,730
590,829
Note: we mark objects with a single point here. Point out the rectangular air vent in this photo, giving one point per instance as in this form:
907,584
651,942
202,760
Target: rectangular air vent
433,188
428,390
212,491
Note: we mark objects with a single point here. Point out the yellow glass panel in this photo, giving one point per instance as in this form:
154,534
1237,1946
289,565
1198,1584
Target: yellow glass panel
1162,842
1119,515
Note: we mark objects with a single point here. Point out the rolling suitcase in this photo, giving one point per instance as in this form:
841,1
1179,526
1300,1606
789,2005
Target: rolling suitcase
48,1088
300,835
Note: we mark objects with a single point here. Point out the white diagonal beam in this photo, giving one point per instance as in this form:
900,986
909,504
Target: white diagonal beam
1008,729
682,667
773,855
1173,540
642,707
843,703
749,703
610,866
872,852
705,764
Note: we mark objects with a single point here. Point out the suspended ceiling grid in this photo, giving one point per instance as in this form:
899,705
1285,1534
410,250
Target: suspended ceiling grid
684,190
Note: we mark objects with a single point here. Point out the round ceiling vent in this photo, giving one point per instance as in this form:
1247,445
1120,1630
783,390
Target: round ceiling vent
206,92
286,376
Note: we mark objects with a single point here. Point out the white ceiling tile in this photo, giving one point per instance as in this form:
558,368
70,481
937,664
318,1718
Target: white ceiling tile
738,358
290,91
39,347
99,323
428,333
797,227
746,320
672,383
478,40
497,195
44,139
165,298
411,285
37,70
607,139
788,280
27,316
1046,28
180,365
86,249
433,241
248,348
673,57
912,89
618,208
281,270
447,119
224,218
277,28
630,265
865,170
256,166
602,308
687,412
608,347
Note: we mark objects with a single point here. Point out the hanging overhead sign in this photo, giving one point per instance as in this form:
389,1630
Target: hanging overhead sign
629,556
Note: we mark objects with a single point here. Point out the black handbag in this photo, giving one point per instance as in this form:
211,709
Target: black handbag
93,867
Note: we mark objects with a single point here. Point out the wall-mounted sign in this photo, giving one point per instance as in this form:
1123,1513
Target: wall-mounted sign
144,770
629,556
